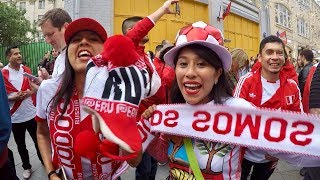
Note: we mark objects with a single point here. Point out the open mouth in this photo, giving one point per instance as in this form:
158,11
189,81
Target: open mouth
84,53
192,88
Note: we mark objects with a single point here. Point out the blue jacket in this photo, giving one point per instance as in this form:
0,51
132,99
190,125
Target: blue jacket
5,117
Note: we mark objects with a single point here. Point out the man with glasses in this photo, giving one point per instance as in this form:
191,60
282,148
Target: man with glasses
53,24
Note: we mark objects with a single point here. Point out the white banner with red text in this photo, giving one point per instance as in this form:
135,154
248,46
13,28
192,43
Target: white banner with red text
281,131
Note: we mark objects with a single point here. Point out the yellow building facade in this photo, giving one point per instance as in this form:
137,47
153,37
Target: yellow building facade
242,33
168,26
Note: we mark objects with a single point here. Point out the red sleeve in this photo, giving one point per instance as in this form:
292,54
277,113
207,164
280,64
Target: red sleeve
168,76
38,119
140,30
158,149
306,91
27,69
297,105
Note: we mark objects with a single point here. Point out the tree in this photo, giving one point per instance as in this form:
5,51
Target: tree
14,26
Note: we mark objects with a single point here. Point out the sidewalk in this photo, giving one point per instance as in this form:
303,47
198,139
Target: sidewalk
282,172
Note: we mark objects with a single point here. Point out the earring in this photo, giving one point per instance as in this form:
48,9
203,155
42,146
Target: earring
215,82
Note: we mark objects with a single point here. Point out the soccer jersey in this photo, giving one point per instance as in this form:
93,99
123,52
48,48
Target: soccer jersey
283,94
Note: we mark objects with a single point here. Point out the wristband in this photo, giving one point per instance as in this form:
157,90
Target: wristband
51,173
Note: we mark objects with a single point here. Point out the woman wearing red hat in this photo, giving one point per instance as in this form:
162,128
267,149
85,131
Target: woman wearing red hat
58,109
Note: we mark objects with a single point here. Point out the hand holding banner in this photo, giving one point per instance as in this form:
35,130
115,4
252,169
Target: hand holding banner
280,131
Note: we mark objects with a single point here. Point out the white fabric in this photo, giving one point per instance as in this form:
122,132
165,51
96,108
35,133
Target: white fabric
26,110
46,92
191,121
59,64
269,89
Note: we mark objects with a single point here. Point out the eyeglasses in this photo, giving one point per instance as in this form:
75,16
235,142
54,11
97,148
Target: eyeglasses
49,35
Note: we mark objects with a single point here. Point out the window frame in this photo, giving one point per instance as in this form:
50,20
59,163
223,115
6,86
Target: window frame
282,15
42,4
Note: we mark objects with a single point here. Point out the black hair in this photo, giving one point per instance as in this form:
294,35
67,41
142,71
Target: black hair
158,48
8,50
220,91
151,55
67,86
164,51
129,23
308,54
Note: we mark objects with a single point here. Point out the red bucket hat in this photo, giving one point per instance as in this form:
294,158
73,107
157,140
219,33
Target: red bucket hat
84,24
205,35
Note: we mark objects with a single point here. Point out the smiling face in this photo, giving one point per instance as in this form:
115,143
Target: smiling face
272,59
15,58
195,77
83,46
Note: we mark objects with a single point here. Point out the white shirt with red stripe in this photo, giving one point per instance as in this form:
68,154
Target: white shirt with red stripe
26,110
45,94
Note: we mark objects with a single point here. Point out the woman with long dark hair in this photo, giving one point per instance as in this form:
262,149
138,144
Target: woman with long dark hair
59,111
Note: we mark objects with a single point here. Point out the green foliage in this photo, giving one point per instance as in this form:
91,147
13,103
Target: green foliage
14,26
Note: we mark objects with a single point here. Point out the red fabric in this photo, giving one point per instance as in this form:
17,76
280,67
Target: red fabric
10,88
116,55
249,87
306,91
136,34
227,11
87,148
4,156
287,68
166,74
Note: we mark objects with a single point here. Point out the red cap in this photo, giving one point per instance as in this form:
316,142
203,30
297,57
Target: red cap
84,24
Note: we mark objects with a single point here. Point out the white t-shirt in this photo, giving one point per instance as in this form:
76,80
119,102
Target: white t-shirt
268,91
26,110
59,65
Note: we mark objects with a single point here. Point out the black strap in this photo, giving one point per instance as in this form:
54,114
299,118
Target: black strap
51,173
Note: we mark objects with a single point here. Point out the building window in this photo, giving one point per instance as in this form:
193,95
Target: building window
302,28
39,17
22,6
304,4
41,4
283,16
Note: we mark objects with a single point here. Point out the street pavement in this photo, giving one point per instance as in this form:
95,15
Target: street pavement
282,172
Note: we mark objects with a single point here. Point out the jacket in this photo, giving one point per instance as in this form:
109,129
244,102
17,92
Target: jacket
303,76
287,96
